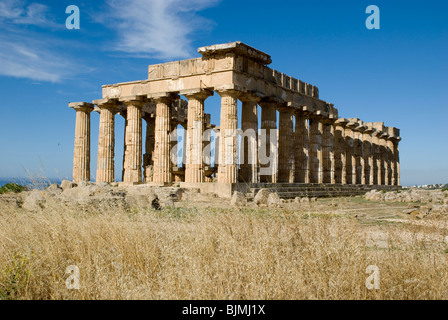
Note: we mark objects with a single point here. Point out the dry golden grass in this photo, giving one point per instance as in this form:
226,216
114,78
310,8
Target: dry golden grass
190,253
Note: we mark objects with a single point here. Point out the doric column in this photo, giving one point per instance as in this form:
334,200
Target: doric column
315,153
383,159
150,141
194,171
396,179
286,145
81,157
350,152
162,162
359,150
328,151
228,162
267,155
340,152
106,141
207,148
386,157
216,157
369,154
184,146
391,160
249,139
123,113
301,148
377,157
133,153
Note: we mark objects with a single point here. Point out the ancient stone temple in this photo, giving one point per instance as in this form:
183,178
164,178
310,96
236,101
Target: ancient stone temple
301,141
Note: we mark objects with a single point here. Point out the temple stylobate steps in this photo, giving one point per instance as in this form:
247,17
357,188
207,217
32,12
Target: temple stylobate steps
305,190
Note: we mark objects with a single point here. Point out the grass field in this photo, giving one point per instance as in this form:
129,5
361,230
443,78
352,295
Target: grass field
200,251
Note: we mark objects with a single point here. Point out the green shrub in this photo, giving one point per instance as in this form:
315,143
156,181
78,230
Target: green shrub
444,190
11,188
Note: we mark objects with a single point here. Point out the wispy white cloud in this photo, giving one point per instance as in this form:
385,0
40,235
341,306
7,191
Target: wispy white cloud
33,59
158,28
29,54
19,12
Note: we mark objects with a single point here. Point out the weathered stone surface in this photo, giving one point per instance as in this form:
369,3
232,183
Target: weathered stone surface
238,199
323,148
411,195
261,198
54,190
34,200
65,184
274,199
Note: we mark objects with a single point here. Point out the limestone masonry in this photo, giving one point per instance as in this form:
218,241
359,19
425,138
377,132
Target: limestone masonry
317,148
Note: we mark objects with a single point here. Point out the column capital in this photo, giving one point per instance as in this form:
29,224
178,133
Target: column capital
251,97
316,115
360,128
341,122
163,97
81,106
111,104
230,92
199,94
137,101
329,121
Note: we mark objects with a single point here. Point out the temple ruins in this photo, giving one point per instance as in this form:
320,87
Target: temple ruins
311,146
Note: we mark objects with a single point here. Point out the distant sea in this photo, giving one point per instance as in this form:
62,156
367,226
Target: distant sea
33,183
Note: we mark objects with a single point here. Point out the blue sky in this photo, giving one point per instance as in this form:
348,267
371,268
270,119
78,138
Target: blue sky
397,74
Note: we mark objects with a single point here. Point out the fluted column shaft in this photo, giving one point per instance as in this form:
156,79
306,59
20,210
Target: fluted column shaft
316,153
383,161
134,148
389,161
350,157
340,153
328,152
368,158
106,145
267,155
396,181
377,159
195,131
81,157
228,160
148,163
249,139
301,148
286,146
359,158
162,161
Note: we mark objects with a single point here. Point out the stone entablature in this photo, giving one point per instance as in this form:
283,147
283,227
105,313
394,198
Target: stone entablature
319,148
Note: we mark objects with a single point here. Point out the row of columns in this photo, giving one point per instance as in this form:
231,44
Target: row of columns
316,150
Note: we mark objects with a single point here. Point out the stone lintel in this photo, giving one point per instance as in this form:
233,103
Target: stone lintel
360,128
238,48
